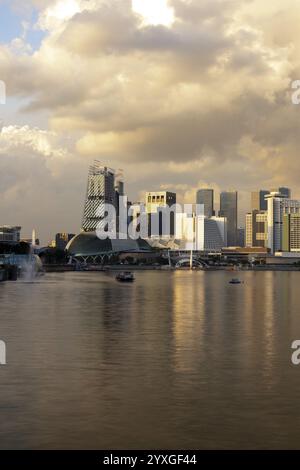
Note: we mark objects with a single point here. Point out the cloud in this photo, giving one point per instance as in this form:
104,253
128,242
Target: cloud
36,179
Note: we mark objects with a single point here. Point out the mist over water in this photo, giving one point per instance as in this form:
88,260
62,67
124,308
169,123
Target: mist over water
174,360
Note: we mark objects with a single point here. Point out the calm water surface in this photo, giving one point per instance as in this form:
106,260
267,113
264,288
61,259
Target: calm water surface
176,360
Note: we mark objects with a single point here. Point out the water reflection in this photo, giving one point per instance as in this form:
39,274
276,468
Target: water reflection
177,359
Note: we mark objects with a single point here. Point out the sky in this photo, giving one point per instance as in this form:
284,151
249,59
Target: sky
180,94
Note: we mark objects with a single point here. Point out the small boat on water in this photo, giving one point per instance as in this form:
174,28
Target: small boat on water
126,276
235,281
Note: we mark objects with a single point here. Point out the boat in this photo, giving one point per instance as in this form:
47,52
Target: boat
235,281
126,276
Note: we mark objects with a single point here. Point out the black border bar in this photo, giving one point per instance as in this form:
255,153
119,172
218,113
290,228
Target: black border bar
136,458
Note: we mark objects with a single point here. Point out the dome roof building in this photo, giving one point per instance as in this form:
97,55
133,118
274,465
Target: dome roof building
87,245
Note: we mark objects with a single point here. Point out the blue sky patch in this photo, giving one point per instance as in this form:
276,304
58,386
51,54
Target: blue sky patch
11,26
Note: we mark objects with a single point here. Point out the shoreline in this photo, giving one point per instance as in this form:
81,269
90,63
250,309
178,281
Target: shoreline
114,268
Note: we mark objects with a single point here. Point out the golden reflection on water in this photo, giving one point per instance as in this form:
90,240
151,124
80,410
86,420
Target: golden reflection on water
188,316
177,359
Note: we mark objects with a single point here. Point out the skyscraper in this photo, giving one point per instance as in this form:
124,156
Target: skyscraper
156,203
157,199
206,197
211,233
100,191
228,209
286,192
278,207
256,228
241,237
291,232
258,201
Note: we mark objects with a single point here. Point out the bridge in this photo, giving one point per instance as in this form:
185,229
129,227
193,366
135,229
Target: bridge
185,261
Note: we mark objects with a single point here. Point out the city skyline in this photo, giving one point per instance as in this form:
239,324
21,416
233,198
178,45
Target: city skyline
105,180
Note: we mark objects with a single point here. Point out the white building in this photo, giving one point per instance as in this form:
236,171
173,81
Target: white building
211,233
278,206
185,230
201,233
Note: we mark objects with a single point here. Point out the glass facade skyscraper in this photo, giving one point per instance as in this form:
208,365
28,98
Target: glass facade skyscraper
286,192
100,191
258,201
228,209
206,197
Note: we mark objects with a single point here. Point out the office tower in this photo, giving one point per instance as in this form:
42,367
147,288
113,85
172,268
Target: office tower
201,233
274,221
206,197
283,191
256,228
228,209
161,223
241,237
211,233
156,199
258,201
278,207
286,192
62,239
249,230
291,232
100,191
